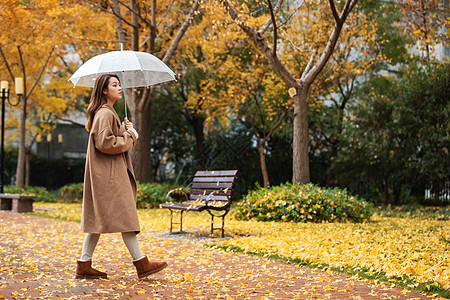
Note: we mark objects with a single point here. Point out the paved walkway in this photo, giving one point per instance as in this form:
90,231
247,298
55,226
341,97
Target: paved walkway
38,262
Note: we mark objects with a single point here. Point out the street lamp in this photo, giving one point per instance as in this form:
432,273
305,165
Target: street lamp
5,96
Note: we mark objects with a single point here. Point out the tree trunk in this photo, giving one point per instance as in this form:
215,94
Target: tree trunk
21,155
139,100
119,28
312,70
135,23
27,168
141,153
262,160
300,143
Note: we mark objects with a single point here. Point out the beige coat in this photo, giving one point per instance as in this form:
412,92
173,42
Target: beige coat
109,196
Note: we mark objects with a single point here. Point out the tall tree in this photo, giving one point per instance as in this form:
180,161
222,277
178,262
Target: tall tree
160,22
24,25
299,85
224,82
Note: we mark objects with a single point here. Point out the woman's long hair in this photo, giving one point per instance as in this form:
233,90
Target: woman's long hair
98,98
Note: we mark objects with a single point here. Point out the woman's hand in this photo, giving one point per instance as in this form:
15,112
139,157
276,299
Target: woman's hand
128,125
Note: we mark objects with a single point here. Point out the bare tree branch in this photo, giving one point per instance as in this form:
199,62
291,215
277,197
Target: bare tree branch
292,14
277,124
349,5
71,121
165,13
310,63
181,32
6,63
135,27
106,11
269,21
135,11
40,73
153,27
118,21
272,16
335,13
260,41
329,48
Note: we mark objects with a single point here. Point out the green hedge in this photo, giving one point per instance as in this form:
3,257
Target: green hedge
303,203
41,193
71,192
149,195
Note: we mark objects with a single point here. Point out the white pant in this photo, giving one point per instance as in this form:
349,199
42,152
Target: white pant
129,238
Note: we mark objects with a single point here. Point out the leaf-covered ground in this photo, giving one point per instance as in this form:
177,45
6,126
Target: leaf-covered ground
413,250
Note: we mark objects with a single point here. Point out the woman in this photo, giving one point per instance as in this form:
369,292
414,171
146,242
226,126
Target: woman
109,196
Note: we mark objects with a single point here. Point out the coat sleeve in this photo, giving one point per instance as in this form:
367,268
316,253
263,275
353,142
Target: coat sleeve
104,138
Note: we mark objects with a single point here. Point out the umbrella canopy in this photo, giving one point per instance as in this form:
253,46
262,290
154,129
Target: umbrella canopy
134,69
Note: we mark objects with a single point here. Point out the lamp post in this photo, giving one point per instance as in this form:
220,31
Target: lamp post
5,96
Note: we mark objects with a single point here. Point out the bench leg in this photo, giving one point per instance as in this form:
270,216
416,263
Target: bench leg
212,224
171,218
223,225
181,220
22,205
171,221
6,204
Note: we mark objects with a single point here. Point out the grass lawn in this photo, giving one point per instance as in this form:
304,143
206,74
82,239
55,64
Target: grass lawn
408,246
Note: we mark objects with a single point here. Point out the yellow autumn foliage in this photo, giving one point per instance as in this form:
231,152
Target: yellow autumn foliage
404,247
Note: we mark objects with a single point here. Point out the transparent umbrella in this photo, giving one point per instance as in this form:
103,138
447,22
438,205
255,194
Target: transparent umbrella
134,69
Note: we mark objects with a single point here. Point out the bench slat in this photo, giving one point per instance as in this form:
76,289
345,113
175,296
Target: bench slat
182,206
17,196
229,192
214,179
216,173
213,197
212,185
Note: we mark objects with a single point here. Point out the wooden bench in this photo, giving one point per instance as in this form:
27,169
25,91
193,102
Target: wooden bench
210,190
17,203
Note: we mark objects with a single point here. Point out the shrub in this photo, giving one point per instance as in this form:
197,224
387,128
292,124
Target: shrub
151,195
41,193
303,203
71,192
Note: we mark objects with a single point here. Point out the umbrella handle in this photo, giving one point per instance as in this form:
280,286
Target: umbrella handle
126,115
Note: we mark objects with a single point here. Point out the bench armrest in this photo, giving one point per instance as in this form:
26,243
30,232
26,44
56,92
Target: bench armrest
177,190
221,191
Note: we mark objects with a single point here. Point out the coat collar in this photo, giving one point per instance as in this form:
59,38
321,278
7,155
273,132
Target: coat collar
108,106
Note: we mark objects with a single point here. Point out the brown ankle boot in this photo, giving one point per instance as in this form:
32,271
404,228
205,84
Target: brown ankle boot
145,267
85,271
